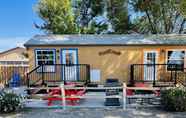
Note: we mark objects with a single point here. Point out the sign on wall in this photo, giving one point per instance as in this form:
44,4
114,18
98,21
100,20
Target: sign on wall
109,51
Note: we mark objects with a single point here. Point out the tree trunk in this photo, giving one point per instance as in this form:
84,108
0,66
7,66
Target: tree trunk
174,22
151,24
84,20
182,26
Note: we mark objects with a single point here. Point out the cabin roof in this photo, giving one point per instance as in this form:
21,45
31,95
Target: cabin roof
108,39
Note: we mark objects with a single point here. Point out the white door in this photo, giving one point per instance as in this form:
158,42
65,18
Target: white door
70,69
150,58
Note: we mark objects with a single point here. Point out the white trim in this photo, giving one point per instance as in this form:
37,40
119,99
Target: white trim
50,68
145,52
73,69
36,59
145,62
64,52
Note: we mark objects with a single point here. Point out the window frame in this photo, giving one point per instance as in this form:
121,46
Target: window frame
66,49
54,59
167,56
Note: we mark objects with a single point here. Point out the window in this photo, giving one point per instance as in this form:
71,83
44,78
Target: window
69,58
46,58
151,58
175,57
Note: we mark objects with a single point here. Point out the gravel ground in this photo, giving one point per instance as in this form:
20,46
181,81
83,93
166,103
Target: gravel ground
95,113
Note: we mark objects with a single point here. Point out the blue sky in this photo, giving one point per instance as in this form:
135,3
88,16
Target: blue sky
16,22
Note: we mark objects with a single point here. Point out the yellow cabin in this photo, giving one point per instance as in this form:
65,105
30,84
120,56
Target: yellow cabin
94,58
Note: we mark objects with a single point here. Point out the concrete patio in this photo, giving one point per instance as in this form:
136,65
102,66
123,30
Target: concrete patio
95,113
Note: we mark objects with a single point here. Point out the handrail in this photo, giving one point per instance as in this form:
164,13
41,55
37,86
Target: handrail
155,64
28,78
59,72
63,64
34,69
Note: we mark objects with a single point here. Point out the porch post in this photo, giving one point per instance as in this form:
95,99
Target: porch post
132,74
42,75
154,75
175,79
88,74
64,71
28,80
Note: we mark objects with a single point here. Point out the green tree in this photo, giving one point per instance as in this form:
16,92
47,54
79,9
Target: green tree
118,15
89,10
182,8
83,16
57,15
159,16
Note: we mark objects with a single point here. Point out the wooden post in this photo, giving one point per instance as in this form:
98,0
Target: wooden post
124,96
62,86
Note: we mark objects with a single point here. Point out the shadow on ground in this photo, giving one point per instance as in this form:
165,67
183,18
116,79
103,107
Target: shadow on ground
95,113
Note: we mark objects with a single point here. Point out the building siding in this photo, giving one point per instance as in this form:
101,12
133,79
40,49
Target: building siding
110,64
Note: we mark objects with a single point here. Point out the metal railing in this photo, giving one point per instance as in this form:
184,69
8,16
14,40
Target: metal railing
44,74
157,74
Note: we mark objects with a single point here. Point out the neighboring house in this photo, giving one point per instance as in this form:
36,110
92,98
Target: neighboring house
109,56
14,56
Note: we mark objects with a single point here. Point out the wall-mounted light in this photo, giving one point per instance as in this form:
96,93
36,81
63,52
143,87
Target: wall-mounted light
57,51
162,51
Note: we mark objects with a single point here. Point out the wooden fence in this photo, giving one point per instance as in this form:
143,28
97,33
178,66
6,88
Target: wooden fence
124,95
7,72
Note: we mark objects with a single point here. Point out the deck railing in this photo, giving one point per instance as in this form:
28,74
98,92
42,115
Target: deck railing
44,74
157,74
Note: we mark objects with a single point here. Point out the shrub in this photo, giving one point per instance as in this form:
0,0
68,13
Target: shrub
9,102
174,99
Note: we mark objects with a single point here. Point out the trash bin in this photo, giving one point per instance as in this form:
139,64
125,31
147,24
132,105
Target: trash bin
111,82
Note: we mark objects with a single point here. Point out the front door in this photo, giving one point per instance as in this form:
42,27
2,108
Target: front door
150,58
69,67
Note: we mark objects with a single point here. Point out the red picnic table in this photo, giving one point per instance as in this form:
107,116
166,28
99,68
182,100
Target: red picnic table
55,95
